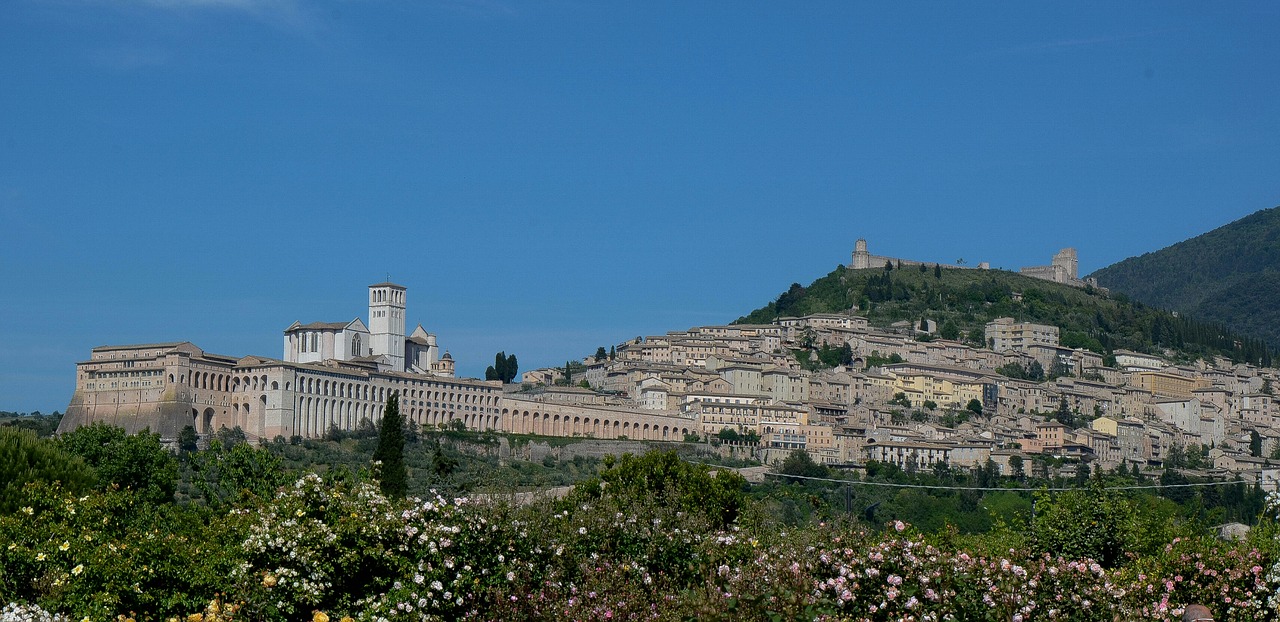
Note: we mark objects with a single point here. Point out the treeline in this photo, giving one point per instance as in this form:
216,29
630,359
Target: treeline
41,424
939,497
961,302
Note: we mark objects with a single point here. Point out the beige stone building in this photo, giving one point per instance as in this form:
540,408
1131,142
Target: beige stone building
165,387
1005,334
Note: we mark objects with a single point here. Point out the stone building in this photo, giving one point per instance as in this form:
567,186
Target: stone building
1004,334
862,259
167,386
382,341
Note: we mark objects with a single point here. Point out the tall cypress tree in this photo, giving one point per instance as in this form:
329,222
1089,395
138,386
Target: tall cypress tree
394,479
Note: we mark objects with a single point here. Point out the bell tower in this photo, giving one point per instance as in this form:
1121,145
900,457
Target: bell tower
386,322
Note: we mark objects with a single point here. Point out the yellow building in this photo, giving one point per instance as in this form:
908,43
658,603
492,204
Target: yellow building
1165,384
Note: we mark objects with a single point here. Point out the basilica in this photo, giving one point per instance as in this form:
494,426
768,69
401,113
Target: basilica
332,376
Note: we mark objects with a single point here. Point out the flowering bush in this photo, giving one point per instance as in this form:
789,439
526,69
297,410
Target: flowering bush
620,550
1227,577
103,554
347,548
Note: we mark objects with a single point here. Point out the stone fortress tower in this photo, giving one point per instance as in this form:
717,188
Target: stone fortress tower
1066,258
1064,268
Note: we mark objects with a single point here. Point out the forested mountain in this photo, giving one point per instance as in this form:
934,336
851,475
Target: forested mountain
1230,275
962,301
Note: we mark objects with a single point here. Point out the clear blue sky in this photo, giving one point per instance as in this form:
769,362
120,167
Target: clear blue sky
548,177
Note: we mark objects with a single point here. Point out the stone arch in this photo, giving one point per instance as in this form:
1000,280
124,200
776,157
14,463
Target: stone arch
206,421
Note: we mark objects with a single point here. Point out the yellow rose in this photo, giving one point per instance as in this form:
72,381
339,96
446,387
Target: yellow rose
195,617
319,616
269,580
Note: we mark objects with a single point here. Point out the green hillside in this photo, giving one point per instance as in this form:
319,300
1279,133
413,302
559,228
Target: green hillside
963,301
1230,275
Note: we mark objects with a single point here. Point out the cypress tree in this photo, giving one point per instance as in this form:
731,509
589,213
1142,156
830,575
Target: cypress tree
394,479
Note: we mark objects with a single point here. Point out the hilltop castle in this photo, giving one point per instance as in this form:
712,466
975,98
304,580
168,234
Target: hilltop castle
1062,269
863,259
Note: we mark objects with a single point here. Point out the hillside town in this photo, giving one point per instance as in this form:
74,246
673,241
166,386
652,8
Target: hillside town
916,401
832,385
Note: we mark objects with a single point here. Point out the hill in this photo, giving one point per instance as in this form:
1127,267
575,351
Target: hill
1230,275
963,301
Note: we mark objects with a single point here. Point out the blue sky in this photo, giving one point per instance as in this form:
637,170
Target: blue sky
547,177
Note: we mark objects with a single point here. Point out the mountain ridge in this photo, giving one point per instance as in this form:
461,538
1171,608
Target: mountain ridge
1229,275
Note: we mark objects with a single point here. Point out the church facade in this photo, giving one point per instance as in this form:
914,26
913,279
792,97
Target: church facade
333,374
381,342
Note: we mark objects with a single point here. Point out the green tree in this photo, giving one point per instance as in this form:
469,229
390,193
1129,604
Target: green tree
1094,523
442,464
613,353
1197,456
504,368
26,458
1063,414
137,462
662,479
511,370
187,438
799,462
1175,458
1059,369
601,354
236,473
937,271
1035,371
1255,444
974,406
231,437
1016,465
393,474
